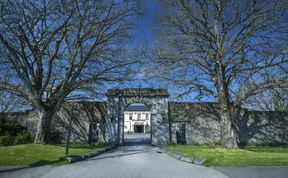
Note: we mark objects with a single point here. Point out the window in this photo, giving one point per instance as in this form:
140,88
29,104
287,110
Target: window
139,116
147,116
130,117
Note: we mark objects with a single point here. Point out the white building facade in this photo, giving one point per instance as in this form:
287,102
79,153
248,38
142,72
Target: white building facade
137,119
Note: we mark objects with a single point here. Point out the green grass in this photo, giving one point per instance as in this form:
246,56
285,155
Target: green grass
246,156
39,154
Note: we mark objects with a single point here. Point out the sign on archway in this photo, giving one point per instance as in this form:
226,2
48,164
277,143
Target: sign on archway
155,99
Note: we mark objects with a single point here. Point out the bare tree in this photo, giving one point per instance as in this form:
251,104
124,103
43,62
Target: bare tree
216,47
56,47
272,100
12,103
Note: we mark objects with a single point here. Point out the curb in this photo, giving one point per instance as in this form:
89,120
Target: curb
12,168
80,157
181,157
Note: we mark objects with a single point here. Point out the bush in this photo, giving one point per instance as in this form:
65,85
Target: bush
12,132
10,127
23,138
7,140
56,137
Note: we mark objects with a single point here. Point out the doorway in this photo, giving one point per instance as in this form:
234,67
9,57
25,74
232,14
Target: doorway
138,128
137,123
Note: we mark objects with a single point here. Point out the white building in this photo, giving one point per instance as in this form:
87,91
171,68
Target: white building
137,119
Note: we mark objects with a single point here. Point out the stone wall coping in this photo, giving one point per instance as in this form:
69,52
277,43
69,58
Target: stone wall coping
147,92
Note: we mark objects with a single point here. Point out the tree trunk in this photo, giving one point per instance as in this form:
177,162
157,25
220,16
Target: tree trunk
44,126
228,131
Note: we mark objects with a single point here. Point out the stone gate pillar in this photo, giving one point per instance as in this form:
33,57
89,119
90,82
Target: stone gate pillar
111,120
155,99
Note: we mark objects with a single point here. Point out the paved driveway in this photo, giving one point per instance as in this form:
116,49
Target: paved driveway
136,161
255,172
136,139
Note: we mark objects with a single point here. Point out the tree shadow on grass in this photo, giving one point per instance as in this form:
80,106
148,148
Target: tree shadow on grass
270,148
84,146
61,160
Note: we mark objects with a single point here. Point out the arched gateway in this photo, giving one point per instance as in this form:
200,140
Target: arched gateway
155,99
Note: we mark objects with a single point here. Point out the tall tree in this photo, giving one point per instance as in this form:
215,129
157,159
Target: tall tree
56,47
215,47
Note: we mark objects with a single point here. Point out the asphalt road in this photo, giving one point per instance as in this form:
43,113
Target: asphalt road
255,172
136,139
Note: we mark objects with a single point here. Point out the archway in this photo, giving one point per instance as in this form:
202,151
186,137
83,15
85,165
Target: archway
155,99
137,124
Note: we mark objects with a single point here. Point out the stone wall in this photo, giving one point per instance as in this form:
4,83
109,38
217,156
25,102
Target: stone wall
202,123
88,126
263,127
200,120
85,128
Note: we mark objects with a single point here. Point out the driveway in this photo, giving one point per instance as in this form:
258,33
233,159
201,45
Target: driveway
255,172
131,139
133,161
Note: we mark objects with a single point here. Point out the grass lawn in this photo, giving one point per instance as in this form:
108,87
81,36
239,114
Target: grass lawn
246,156
38,154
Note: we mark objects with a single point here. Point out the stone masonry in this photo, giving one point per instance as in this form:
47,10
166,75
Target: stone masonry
155,99
200,121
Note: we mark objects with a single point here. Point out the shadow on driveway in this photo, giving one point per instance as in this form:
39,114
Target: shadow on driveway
134,144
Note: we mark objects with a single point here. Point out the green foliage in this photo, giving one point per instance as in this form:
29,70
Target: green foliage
23,138
12,132
10,127
6,140
246,156
261,145
56,137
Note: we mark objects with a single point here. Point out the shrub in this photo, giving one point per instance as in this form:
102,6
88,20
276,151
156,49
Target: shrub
56,136
12,132
23,138
10,127
7,140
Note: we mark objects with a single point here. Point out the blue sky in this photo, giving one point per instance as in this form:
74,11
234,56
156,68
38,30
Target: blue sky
144,24
145,34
